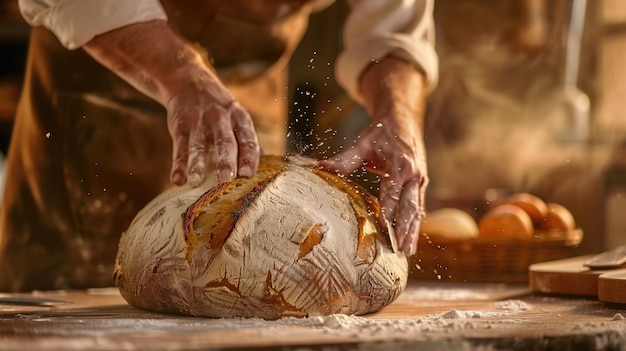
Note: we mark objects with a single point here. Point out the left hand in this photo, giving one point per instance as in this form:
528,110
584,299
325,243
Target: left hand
392,146
396,153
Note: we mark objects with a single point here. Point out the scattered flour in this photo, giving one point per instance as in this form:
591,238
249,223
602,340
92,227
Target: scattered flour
514,305
333,325
436,323
365,326
456,314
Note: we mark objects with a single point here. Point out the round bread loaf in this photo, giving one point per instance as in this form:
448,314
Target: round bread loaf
290,241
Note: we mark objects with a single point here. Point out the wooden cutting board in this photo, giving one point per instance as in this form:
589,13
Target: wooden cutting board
612,286
571,277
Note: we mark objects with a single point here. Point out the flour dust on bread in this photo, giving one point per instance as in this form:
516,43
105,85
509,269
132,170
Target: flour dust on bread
290,241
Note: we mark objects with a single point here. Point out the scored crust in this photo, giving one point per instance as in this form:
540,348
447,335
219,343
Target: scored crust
290,241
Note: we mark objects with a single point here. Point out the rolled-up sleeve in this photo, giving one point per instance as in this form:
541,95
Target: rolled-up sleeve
75,22
375,28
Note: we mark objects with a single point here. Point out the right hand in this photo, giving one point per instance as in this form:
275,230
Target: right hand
210,131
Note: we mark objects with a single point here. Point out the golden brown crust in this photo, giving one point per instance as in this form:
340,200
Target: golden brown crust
366,208
211,225
289,241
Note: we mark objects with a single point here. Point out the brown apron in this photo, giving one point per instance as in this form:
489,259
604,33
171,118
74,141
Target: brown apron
88,151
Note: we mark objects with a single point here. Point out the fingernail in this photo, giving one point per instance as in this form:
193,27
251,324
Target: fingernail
225,175
177,178
245,171
195,179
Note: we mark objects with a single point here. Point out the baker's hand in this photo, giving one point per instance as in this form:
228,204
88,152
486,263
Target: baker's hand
210,131
396,153
392,145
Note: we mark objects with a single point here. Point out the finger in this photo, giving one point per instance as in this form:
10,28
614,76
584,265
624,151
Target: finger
225,144
391,187
407,210
249,149
196,164
411,212
180,153
409,244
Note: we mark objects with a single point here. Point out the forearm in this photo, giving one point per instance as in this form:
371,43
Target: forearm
152,58
393,83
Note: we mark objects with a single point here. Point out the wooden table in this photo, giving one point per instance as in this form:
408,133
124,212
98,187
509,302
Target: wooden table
428,316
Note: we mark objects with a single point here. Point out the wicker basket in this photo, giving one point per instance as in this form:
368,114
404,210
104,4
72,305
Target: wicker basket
488,260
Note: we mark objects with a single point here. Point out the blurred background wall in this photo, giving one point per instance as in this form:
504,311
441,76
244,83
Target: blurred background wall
506,116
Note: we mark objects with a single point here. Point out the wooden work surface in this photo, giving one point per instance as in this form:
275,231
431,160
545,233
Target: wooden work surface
427,316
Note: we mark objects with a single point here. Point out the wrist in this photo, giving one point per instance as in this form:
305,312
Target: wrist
395,86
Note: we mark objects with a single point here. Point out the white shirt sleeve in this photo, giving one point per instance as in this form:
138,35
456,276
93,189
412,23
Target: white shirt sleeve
75,22
375,28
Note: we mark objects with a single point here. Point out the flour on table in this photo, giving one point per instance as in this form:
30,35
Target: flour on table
514,305
356,325
456,314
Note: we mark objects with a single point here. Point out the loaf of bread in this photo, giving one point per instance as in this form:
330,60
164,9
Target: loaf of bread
290,241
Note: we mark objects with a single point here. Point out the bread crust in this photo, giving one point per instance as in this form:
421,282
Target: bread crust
290,241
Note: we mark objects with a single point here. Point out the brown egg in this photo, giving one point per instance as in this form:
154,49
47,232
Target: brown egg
506,221
533,205
449,223
558,218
